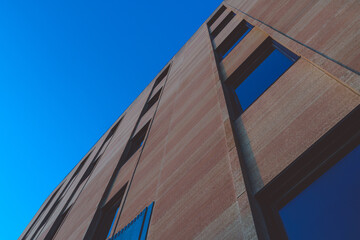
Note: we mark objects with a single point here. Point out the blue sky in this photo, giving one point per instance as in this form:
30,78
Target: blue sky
68,69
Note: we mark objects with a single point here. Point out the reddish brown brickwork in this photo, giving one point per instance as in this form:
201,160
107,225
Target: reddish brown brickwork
201,166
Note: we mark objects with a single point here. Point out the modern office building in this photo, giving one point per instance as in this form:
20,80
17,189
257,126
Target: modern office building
251,131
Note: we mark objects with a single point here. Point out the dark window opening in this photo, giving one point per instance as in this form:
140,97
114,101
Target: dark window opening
161,77
216,15
107,221
233,39
112,131
56,225
138,140
152,101
113,222
223,24
42,211
317,196
264,66
332,201
77,172
48,215
108,138
69,183
89,170
63,192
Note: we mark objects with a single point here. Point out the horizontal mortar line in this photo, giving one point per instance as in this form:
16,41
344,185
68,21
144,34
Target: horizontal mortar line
302,44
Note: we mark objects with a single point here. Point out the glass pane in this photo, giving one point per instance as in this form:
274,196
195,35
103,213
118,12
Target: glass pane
147,222
112,224
133,229
330,207
137,228
262,78
236,43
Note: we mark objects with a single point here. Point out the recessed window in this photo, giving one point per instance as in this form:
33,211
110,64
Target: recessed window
258,73
108,138
109,214
317,196
330,207
112,131
89,170
137,228
233,39
138,140
57,224
48,215
42,211
161,77
113,222
152,101
223,24
216,15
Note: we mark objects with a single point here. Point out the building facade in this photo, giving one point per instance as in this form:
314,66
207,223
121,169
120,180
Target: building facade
251,131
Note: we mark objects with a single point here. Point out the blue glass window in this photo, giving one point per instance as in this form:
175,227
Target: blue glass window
108,216
330,207
275,62
137,228
233,39
247,29
112,224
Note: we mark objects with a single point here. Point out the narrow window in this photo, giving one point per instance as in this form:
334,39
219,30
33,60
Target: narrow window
258,73
233,39
63,192
113,222
216,15
112,131
56,225
138,227
108,138
48,215
152,101
42,211
108,216
138,140
223,24
161,77
89,170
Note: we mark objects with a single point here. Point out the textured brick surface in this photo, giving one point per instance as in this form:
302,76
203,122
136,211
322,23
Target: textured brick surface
219,20
242,51
226,31
189,164
293,113
330,27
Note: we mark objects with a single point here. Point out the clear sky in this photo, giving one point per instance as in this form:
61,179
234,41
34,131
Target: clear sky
68,69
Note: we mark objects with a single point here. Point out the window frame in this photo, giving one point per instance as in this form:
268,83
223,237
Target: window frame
306,169
249,66
161,77
106,210
151,102
223,24
230,42
216,15
137,141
